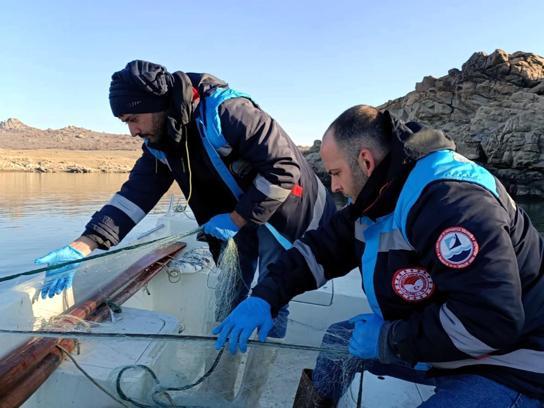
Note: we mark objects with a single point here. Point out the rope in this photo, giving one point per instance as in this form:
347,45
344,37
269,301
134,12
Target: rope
91,379
189,166
360,392
159,390
168,337
171,238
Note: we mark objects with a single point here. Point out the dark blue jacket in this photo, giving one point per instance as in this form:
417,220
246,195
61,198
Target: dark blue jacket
279,186
452,264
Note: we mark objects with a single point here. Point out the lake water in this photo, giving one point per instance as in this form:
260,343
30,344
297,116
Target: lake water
41,212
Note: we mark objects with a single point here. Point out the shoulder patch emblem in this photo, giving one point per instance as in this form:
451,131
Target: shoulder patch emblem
456,247
413,284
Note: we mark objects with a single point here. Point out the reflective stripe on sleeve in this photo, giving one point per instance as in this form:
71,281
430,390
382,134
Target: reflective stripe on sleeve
460,336
315,267
319,206
272,191
128,207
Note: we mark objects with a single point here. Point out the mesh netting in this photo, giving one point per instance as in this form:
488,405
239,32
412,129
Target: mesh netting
136,324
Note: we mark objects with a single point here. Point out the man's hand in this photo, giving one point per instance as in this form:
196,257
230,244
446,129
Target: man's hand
56,280
222,227
365,336
249,315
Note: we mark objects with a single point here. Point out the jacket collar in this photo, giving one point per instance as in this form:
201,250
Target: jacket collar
409,142
180,118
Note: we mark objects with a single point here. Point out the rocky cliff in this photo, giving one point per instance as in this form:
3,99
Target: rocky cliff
493,107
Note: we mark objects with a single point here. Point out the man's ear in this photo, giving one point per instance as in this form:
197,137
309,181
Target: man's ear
366,161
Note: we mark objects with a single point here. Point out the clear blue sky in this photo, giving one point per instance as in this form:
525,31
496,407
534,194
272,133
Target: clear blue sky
303,61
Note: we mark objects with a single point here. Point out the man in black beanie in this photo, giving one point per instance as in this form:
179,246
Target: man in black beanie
243,177
241,174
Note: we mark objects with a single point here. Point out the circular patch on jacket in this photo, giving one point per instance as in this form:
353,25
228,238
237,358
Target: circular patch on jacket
456,247
413,284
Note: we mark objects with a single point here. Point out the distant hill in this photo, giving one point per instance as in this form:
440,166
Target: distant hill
15,135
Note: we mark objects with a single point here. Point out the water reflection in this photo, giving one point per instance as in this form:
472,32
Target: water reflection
40,212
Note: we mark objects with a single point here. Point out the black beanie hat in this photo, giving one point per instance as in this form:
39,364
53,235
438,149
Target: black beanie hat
141,87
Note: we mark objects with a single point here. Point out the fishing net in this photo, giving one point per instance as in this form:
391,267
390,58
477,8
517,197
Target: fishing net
135,330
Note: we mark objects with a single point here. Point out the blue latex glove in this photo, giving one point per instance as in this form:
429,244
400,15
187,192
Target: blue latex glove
56,280
365,336
249,315
221,227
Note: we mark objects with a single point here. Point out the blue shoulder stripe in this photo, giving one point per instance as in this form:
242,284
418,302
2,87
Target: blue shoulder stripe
210,117
440,165
213,140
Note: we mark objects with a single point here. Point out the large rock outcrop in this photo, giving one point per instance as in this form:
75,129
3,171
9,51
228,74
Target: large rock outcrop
494,110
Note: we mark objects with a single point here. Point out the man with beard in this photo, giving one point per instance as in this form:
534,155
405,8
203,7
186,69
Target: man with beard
452,269
241,174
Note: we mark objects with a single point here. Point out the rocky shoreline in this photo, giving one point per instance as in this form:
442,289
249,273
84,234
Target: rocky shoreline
67,161
71,149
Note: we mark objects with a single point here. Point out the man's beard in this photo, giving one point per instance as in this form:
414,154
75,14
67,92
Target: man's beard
157,136
360,179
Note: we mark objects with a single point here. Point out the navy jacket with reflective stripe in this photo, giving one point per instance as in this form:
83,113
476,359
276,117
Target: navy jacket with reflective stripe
259,154
457,267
